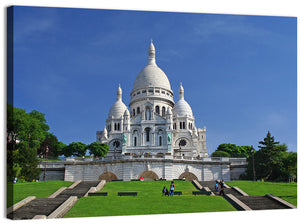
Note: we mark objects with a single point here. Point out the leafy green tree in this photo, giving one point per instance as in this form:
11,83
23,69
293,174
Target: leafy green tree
272,161
25,131
290,165
98,149
269,158
27,136
234,150
75,149
220,154
52,146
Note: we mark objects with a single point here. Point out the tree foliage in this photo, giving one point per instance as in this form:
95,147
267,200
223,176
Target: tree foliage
220,154
25,131
27,136
75,149
234,150
98,149
272,161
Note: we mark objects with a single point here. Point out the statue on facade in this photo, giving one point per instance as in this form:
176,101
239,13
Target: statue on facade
124,139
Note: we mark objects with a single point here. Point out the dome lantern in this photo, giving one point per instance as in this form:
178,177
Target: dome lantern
151,53
181,92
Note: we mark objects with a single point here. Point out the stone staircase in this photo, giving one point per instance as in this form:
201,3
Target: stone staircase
260,202
79,191
46,206
242,201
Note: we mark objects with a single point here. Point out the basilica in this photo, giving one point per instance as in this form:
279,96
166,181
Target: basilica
153,124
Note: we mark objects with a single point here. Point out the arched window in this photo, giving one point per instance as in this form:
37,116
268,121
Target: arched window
116,144
183,125
115,126
147,134
163,111
180,125
138,110
157,109
135,141
160,141
133,112
118,126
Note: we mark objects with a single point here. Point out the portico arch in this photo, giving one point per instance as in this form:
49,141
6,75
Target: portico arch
148,175
108,176
188,176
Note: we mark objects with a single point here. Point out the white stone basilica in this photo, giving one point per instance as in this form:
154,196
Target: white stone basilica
155,124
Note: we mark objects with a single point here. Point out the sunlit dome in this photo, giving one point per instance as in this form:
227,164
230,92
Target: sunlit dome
182,108
151,75
118,108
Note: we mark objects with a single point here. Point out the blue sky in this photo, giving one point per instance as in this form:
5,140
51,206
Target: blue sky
239,72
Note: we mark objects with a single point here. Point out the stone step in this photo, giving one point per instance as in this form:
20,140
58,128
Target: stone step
260,202
38,206
45,206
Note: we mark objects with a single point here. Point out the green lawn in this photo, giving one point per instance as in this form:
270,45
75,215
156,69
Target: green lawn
40,189
148,201
286,191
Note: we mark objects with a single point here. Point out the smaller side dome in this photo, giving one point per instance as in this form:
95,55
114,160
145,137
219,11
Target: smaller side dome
118,108
182,108
126,113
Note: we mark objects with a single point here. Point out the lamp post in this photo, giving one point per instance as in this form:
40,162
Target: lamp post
253,165
47,149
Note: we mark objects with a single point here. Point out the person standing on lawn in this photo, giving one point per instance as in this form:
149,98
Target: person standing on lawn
172,188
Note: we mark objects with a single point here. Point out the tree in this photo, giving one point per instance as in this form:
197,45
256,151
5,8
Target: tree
272,161
55,147
268,158
220,154
98,149
290,166
25,131
75,149
234,150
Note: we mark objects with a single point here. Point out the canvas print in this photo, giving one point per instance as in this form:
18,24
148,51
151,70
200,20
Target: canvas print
123,112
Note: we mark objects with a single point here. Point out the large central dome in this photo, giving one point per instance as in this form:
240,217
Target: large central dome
151,75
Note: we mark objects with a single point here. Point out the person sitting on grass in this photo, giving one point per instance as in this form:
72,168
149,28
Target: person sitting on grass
165,192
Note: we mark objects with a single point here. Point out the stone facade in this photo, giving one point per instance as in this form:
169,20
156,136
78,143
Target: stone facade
154,124
130,168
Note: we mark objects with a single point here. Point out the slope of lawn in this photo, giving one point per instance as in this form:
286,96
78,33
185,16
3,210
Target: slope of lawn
286,191
40,189
148,201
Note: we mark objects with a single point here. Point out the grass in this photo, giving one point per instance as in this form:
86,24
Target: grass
148,201
286,191
40,189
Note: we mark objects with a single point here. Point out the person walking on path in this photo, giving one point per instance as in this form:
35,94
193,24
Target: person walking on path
217,186
172,188
222,188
